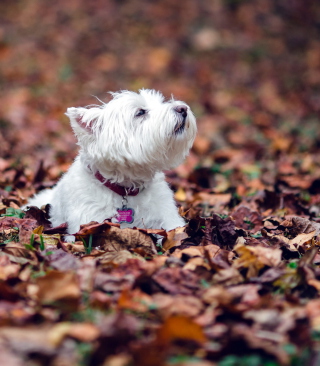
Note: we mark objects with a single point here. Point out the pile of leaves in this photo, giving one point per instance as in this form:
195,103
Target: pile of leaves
239,284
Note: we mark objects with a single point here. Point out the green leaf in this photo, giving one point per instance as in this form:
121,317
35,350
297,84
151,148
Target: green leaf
293,265
14,212
38,274
205,283
29,247
257,235
88,247
8,188
42,247
290,349
229,361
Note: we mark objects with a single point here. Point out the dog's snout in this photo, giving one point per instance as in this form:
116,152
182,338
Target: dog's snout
181,109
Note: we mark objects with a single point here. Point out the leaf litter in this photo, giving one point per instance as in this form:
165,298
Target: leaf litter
240,283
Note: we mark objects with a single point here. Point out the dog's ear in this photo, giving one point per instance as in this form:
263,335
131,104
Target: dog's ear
82,119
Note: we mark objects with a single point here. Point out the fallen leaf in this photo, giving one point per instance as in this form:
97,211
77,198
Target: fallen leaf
83,332
221,231
174,238
58,286
255,258
93,228
212,199
18,253
180,327
228,277
299,240
60,260
28,340
134,300
116,258
116,239
168,305
7,269
118,360
247,219
177,281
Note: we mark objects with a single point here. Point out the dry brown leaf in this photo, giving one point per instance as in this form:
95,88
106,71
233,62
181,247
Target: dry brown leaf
247,219
120,239
38,230
215,200
9,357
313,312
195,262
58,286
7,223
47,239
300,181
7,269
135,300
118,360
189,306
58,332
228,277
93,228
26,228
109,237
174,238
180,327
297,241
255,258
218,258
116,258
28,339
76,247
19,254
160,232
177,281
83,332
249,294
315,283
99,300
190,252
217,295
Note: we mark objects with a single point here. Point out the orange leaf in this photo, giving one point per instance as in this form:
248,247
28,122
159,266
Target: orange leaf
180,327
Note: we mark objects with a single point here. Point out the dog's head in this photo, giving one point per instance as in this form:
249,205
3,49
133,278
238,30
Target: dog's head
134,135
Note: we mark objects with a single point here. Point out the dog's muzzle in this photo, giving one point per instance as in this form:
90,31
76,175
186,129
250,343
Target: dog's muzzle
182,111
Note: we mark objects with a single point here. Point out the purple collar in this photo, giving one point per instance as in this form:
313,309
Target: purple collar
121,190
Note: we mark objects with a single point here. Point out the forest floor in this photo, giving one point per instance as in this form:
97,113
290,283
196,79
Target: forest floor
240,283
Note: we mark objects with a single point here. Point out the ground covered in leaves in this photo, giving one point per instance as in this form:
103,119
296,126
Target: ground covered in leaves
240,283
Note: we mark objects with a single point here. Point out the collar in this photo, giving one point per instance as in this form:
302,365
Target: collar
121,190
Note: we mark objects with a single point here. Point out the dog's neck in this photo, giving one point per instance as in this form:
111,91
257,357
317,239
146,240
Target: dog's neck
127,182
117,188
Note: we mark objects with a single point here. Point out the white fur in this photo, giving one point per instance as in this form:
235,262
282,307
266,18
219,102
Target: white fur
129,150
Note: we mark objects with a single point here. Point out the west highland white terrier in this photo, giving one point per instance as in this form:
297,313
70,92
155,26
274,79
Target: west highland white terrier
125,145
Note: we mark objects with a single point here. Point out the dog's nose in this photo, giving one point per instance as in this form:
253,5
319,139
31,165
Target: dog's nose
181,109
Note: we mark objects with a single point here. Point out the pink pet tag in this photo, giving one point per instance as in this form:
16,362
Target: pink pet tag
125,214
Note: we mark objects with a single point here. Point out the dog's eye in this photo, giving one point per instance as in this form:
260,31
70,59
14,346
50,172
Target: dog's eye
141,112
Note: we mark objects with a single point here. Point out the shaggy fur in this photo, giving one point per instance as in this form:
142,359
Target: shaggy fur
130,141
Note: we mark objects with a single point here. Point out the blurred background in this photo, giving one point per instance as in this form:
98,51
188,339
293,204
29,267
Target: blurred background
250,70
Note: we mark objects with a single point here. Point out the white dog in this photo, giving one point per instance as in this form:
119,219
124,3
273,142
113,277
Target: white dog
124,147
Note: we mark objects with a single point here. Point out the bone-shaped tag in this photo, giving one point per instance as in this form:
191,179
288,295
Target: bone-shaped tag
125,215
